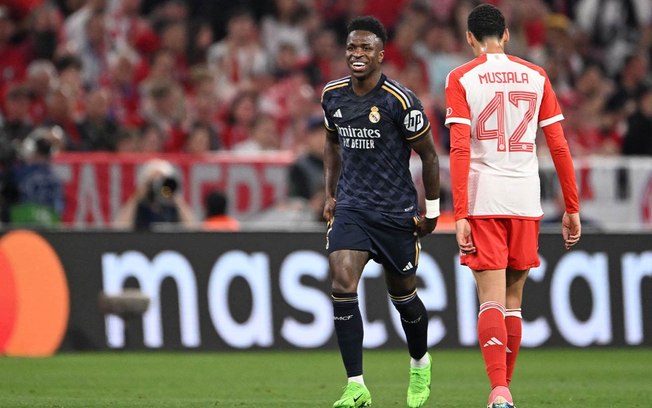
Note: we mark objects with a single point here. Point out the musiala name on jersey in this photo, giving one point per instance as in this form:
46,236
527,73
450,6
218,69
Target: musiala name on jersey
503,78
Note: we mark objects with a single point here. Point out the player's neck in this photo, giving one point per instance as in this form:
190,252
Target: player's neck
490,46
362,86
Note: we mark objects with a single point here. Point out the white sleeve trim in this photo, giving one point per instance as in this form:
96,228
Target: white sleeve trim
463,121
551,120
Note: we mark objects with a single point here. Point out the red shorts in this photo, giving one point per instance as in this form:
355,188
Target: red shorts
502,243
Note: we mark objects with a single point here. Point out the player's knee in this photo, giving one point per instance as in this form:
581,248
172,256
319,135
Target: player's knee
410,307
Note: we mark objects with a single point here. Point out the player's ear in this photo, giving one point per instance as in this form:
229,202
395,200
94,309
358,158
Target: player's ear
381,55
469,38
506,36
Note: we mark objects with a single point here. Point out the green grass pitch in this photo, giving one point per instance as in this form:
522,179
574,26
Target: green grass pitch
569,378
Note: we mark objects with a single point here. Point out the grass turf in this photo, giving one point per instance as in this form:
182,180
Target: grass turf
569,378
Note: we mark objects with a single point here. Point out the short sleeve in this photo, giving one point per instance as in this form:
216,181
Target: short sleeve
328,120
550,112
457,108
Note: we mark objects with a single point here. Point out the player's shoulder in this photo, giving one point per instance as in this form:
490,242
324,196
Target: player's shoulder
399,92
527,64
335,85
463,69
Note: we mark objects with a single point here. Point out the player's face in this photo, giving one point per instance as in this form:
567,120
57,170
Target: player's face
364,53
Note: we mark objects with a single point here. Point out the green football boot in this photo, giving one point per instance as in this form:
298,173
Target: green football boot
419,388
355,396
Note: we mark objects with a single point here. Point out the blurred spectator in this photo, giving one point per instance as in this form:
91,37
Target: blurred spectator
166,11
286,62
93,49
198,140
264,137
589,129
120,79
400,51
284,29
42,79
638,139
306,174
217,218
128,29
69,70
60,112
164,106
16,123
157,199
218,12
200,38
45,22
14,56
326,59
127,141
75,25
440,51
39,200
338,13
241,117
614,27
240,55
174,38
630,82
291,102
204,106
151,138
161,68
97,130
559,50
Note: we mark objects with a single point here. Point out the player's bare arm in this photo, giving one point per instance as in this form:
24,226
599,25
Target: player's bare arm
425,148
332,168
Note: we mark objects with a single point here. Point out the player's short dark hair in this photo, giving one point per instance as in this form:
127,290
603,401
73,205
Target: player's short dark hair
368,23
485,21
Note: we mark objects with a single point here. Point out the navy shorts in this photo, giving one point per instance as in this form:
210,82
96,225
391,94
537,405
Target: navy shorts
391,240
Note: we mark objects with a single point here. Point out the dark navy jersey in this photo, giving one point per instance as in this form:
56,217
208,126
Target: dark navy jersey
374,132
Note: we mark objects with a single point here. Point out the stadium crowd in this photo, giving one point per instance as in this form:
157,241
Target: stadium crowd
192,76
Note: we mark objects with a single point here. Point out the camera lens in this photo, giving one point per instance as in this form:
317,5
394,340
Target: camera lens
168,186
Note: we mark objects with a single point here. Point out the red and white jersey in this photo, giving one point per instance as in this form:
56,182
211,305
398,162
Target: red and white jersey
503,99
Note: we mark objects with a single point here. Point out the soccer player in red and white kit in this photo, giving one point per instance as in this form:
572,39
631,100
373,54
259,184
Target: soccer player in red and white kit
494,104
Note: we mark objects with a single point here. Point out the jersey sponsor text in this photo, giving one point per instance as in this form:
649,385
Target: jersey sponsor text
360,133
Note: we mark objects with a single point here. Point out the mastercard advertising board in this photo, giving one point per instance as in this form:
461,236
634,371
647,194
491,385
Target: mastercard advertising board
270,290
34,298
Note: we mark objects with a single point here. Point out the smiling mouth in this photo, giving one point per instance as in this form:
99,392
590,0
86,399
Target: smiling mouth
358,66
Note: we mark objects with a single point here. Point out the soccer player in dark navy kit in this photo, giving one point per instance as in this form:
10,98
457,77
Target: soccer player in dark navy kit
373,123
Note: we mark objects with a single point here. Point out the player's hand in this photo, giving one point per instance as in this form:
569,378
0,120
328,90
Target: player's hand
463,236
426,225
329,208
571,229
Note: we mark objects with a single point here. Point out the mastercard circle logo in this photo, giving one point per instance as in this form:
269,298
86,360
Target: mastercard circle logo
34,299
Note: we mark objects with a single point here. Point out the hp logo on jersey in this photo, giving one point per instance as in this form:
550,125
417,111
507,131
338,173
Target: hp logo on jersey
414,121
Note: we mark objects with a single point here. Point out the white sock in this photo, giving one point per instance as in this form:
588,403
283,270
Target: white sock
357,379
420,363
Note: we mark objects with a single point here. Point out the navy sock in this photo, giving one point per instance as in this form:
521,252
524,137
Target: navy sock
349,331
414,320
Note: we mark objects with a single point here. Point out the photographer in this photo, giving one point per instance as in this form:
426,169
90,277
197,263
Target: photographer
156,200
32,191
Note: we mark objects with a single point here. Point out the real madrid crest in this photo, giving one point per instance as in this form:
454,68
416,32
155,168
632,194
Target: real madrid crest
374,115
